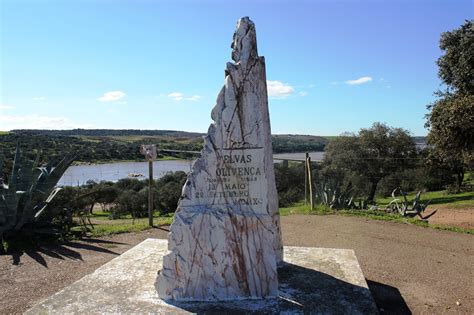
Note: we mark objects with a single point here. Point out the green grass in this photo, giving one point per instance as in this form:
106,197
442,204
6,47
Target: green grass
301,208
2,133
101,215
103,226
383,216
462,200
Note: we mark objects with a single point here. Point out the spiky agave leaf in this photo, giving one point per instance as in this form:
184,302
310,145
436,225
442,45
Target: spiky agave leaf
27,176
28,211
29,192
50,176
47,190
41,207
10,200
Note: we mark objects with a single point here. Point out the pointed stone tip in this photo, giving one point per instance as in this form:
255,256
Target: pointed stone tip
244,20
244,44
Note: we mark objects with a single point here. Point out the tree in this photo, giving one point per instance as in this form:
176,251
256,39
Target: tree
169,189
451,117
371,155
457,64
289,183
106,194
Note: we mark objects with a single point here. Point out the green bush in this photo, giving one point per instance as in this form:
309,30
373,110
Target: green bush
132,202
289,183
168,191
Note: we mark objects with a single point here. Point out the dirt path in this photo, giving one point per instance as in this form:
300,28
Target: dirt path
407,267
430,269
37,274
448,215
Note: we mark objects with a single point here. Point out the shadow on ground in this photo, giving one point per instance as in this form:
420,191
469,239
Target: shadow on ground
449,199
67,250
301,290
388,298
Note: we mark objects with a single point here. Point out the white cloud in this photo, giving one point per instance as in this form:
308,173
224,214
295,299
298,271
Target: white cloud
6,107
39,98
8,122
303,93
193,98
178,96
360,80
112,96
278,89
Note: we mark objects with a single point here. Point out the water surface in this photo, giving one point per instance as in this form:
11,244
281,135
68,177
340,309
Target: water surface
79,174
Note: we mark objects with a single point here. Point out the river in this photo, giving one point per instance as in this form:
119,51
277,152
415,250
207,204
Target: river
79,174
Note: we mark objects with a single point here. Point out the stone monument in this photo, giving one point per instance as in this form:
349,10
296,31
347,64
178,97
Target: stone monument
225,244
225,241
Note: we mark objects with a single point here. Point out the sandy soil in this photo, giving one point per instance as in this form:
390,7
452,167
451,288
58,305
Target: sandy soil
408,268
447,215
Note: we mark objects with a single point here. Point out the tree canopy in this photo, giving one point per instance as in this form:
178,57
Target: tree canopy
456,66
373,154
451,117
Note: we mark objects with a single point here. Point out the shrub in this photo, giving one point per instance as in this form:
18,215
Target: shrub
289,183
25,203
168,191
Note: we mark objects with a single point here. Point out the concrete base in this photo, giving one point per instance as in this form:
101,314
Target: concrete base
312,280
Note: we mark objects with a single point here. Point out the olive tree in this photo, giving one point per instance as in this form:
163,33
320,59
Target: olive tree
451,117
371,155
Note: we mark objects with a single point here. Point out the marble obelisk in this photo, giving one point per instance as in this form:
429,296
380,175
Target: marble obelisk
225,241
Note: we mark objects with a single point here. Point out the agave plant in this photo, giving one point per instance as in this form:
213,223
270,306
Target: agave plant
25,199
335,198
406,208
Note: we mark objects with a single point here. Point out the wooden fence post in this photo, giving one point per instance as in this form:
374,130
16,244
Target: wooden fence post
150,193
306,179
310,182
150,154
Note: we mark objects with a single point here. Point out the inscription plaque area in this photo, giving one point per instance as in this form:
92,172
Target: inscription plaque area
225,241
237,179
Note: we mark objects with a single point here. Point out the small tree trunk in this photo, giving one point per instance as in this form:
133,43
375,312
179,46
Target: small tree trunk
373,189
460,179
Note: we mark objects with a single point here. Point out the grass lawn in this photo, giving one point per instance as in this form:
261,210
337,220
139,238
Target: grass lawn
463,200
103,225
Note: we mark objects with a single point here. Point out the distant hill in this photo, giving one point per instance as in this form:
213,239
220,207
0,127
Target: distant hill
298,143
108,132
281,143
106,145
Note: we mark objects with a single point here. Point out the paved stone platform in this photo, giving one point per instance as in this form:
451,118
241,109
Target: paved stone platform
312,281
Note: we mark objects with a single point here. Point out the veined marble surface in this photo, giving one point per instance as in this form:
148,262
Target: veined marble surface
225,241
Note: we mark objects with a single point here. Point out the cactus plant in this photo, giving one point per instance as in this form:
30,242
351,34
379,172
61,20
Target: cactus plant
24,200
403,206
335,198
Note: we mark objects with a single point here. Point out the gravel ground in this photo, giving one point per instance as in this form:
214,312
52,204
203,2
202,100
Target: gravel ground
447,215
408,268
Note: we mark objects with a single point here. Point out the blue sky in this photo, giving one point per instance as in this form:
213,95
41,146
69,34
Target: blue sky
332,66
